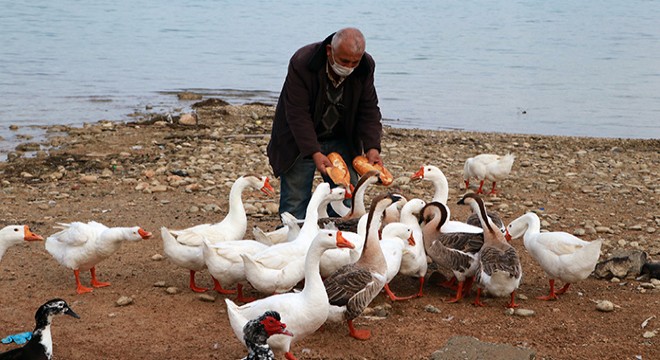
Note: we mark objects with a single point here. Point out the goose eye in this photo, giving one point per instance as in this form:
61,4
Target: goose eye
16,229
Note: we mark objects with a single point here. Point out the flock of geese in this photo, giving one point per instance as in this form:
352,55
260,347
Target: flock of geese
345,261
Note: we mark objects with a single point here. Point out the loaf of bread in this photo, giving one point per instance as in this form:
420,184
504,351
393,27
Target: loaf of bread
362,166
339,171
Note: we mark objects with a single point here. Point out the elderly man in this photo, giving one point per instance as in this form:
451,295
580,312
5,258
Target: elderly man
328,103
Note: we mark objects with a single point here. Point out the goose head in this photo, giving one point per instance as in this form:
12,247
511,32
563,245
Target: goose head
52,308
517,227
261,183
330,239
15,234
136,233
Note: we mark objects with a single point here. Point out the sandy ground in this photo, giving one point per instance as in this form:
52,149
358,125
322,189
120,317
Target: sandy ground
121,175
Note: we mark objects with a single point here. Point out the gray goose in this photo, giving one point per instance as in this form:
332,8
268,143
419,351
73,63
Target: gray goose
499,266
455,251
352,287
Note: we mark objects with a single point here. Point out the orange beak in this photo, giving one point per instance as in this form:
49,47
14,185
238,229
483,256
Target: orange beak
507,236
349,193
342,242
411,240
144,234
418,175
267,188
30,236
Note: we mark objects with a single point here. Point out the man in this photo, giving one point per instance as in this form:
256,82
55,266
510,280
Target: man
328,103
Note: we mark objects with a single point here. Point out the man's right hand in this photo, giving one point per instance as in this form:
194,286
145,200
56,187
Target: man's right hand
321,161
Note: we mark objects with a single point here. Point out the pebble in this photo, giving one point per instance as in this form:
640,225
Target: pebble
124,300
521,296
605,306
655,282
579,232
159,284
89,178
206,297
432,309
157,257
649,334
524,312
647,285
172,290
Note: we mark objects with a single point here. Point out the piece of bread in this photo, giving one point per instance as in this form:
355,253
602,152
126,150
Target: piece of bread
339,171
362,166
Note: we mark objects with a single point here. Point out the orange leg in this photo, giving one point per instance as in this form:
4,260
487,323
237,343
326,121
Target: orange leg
468,286
217,287
95,282
358,334
459,293
552,295
481,185
289,356
393,297
493,191
512,304
192,285
80,289
477,300
449,284
240,297
467,184
421,287
563,290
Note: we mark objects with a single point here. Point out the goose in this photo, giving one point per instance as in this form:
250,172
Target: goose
561,255
333,259
40,345
352,287
80,246
288,232
499,266
15,234
303,312
441,194
224,262
489,167
257,331
184,247
454,251
350,221
396,237
413,261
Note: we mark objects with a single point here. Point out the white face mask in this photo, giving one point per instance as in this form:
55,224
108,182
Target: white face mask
340,70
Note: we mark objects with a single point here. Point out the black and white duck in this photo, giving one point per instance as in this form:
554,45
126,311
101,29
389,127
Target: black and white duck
257,331
40,347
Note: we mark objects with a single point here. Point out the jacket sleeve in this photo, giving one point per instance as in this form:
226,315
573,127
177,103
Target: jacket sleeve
298,108
368,119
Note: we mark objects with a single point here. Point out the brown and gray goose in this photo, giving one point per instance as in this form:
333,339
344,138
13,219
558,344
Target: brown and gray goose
454,251
499,271
352,287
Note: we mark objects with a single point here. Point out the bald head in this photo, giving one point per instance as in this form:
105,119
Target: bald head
349,40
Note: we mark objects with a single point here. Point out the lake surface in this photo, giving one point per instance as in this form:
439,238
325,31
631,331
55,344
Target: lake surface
542,67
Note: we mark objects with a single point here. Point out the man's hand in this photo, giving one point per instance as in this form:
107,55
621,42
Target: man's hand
321,161
374,157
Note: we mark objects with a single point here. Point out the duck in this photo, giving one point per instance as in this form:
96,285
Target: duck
395,238
288,232
15,234
257,331
303,312
333,259
499,271
225,263
561,255
454,251
40,345
413,260
352,287
489,167
80,246
184,247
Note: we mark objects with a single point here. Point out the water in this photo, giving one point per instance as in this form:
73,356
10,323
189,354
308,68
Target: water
543,67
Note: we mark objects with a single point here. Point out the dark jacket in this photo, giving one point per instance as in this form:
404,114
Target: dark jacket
299,108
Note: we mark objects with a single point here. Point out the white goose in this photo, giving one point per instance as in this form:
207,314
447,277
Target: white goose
499,266
184,247
80,246
280,267
396,237
352,287
489,167
413,262
561,255
303,312
14,235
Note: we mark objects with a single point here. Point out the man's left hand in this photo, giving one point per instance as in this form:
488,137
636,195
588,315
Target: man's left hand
373,155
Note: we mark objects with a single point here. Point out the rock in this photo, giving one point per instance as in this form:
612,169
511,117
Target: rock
158,188
524,312
157,257
124,300
467,347
188,119
89,179
621,264
160,284
187,95
579,232
647,285
206,297
605,306
172,290
432,309
649,334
